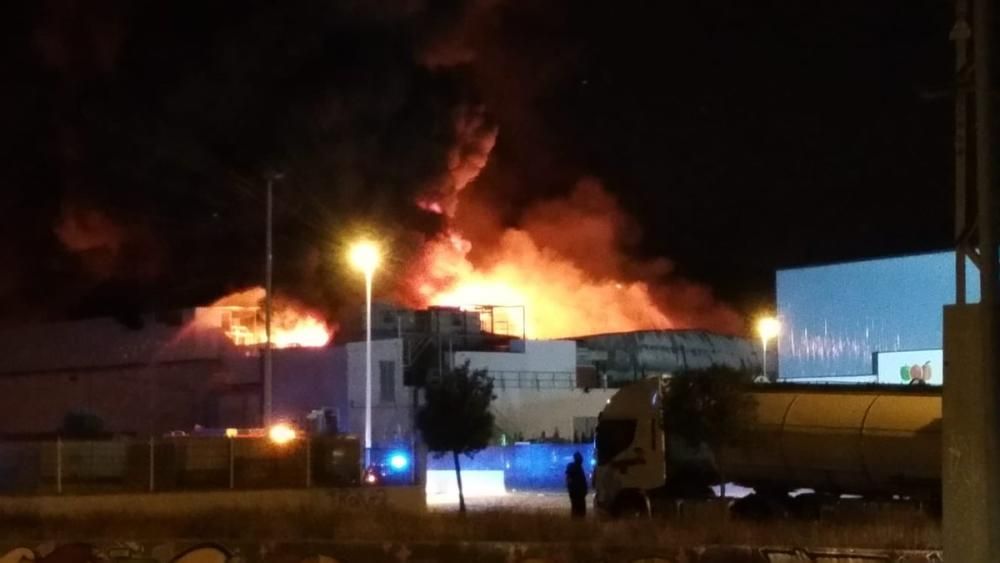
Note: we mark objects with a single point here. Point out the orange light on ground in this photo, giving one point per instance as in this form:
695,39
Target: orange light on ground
281,434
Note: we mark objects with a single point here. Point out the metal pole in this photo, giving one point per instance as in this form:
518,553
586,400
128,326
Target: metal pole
368,367
59,488
982,29
268,273
308,442
152,464
960,34
763,361
232,464
984,154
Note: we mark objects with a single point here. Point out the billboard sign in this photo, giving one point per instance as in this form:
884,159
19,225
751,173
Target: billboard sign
910,367
836,316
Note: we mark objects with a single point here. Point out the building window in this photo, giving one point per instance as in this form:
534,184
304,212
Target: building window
387,381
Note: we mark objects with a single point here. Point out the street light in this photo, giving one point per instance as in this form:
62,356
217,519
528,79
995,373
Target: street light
281,433
364,256
767,328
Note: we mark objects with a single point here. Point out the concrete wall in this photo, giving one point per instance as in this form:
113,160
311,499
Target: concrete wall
309,379
159,397
170,550
530,412
535,388
218,391
404,499
392,420
525,356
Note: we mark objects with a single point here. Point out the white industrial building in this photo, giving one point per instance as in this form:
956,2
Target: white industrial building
392,402
167,376
537,391
535,385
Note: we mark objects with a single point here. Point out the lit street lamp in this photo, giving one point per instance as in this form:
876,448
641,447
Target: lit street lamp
364,256
767,328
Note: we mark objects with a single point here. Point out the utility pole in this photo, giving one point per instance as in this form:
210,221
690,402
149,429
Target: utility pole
960,34
268,293
970,402
983,27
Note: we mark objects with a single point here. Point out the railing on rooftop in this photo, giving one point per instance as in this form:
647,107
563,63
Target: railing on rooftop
537,380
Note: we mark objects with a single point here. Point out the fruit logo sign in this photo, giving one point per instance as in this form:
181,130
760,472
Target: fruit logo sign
914,367
916,373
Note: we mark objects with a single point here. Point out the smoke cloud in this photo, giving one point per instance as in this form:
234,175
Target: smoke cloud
142,156
474,137
142,152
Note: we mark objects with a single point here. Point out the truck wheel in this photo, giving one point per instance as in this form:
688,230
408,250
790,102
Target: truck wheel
630,504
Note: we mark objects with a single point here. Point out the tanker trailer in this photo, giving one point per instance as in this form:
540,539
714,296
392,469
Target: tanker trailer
876,442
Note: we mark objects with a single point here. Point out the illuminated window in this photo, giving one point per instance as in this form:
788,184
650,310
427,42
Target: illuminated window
387,381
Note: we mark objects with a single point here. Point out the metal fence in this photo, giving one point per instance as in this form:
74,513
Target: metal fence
177,464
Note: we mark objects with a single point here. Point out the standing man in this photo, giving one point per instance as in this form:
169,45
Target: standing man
576,486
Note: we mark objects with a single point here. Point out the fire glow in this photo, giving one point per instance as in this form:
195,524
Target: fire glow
241,317
564,270
558,297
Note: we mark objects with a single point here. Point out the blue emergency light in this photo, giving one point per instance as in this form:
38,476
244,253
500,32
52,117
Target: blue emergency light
399,461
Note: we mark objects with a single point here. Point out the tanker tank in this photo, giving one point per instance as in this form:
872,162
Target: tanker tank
876,442
863,440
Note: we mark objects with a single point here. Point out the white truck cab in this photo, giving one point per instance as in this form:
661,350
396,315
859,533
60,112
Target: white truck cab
630,449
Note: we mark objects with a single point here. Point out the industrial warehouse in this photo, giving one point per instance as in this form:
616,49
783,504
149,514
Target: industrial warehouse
200,372
195,370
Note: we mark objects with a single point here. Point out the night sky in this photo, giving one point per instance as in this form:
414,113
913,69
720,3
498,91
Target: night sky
740,136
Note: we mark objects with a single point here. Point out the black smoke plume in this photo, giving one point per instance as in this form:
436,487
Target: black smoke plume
140,138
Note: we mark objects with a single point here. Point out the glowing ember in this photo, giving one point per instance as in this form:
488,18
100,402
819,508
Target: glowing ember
559,299
241,317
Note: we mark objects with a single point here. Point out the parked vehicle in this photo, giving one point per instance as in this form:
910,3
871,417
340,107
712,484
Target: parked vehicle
877,442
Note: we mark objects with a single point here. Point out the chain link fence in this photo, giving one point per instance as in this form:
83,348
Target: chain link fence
177,464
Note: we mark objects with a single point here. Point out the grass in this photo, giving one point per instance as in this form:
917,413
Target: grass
882,531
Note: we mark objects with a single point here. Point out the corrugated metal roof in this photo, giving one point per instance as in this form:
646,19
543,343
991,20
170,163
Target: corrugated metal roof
632,354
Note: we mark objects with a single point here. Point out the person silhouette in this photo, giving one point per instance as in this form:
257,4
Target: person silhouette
576,486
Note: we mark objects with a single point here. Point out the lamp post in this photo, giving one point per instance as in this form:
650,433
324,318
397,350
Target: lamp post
767,328
364,256
268,290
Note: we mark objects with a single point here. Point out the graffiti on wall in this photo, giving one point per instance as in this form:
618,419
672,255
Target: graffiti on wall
177,552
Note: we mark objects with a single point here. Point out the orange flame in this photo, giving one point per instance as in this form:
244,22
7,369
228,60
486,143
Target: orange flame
559,299
241,316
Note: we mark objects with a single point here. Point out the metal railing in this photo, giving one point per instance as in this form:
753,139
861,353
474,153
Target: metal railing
176,464
537,380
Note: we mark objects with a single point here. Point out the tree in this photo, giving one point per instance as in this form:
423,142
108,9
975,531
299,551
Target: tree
708,408
456,417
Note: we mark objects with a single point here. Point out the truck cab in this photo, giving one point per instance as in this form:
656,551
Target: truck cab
630,450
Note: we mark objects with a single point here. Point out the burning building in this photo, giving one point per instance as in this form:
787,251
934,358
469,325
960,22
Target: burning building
204,367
